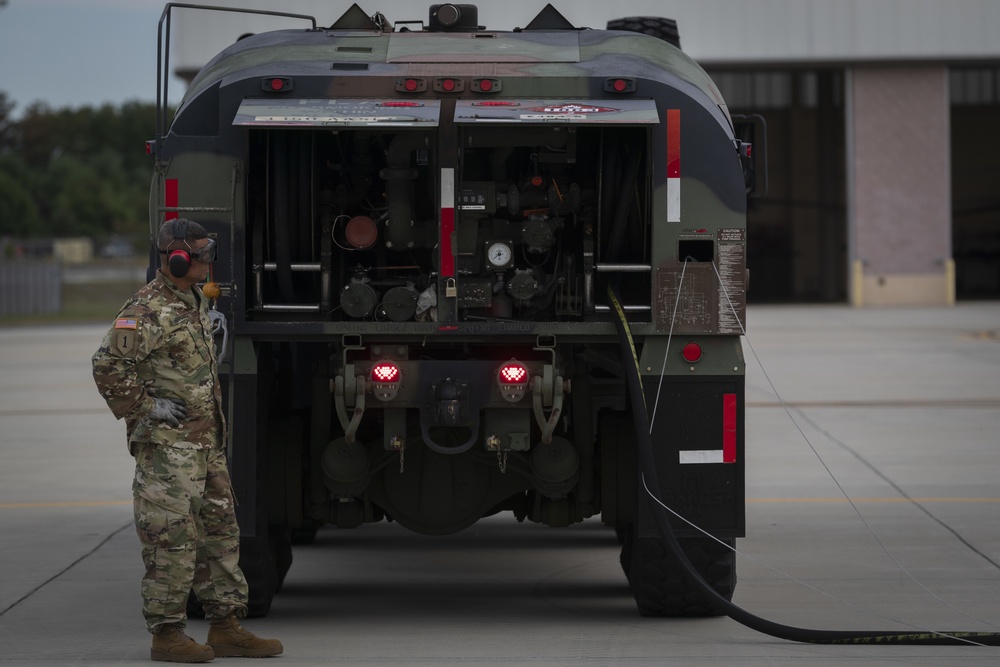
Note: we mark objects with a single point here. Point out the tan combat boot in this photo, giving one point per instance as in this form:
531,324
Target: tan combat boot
170,644
230,639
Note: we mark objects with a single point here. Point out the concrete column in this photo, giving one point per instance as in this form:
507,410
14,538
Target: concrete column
899,185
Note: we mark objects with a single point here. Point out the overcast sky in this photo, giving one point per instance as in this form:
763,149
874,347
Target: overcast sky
71,53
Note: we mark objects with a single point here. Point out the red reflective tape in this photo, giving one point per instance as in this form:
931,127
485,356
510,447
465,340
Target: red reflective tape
447,231
729,446
729,428
170,198
673,143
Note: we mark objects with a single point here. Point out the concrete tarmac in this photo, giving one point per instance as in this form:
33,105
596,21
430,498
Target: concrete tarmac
896,409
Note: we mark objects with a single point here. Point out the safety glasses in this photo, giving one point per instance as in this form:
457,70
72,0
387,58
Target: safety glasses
207,253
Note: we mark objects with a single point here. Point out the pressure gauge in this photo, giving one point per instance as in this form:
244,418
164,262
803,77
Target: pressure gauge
499,254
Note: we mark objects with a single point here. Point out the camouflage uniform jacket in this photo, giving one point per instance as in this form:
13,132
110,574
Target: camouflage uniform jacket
161,345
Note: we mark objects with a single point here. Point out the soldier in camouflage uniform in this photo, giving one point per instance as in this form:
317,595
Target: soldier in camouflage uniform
156,368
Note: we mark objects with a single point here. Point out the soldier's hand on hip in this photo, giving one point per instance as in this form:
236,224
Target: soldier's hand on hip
170,410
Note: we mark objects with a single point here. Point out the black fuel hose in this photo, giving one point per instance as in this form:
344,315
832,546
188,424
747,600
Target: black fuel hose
644,450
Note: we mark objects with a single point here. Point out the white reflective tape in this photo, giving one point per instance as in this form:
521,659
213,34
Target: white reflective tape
673,200
448,187
701,456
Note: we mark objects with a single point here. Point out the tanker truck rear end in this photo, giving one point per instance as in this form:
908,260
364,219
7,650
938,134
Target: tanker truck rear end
427,230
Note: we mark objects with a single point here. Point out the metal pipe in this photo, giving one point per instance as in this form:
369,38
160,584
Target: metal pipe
624,268
601,308
292,307
313,267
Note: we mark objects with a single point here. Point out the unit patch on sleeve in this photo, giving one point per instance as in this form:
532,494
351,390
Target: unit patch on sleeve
125,335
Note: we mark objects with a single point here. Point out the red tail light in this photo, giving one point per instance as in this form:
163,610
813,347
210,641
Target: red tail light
385,379
513,373
512,379
385,372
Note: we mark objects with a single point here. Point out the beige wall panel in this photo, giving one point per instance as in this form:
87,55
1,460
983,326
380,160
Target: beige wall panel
900,211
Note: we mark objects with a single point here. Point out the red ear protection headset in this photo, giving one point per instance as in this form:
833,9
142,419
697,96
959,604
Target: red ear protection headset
179,260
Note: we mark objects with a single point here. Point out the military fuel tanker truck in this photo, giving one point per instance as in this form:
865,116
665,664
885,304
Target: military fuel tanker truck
430,236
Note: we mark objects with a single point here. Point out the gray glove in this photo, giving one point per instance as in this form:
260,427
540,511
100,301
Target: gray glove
170,410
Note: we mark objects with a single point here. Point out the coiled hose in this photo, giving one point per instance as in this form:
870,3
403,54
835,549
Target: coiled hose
644,449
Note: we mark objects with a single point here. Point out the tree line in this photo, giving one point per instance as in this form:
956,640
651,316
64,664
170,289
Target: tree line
75,171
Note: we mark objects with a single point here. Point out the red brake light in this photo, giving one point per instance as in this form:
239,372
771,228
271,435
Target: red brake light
513,373
385,372
401,104
691,352
512,378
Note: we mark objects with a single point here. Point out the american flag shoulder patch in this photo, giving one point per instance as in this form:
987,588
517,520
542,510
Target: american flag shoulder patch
125,323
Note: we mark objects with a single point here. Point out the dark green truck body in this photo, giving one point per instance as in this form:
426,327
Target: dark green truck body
418,229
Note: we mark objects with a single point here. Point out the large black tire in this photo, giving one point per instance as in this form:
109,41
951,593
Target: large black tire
281,547
665,29
305,533
261,572
266,558
654,575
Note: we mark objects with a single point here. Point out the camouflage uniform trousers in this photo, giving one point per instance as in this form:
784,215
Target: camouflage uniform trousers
186,521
